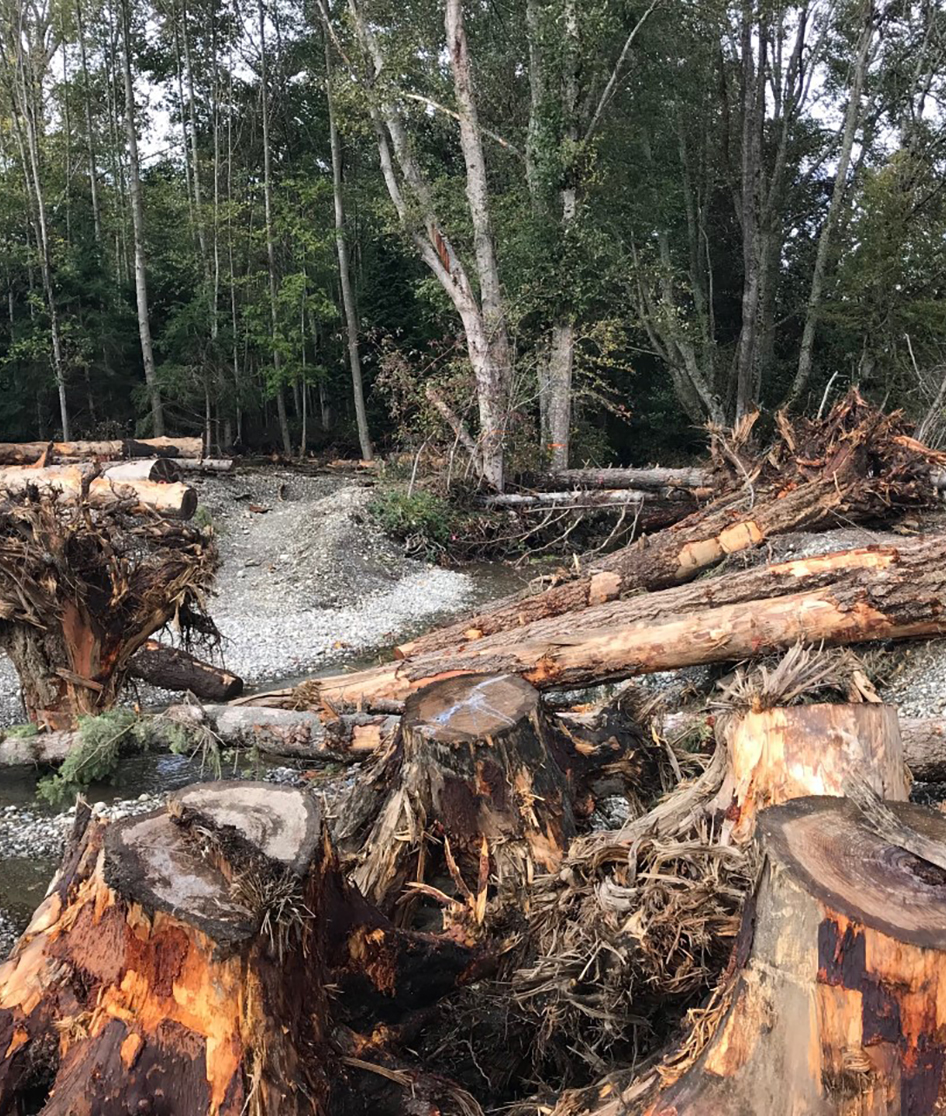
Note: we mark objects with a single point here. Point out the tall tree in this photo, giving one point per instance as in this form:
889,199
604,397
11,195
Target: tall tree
344,268
138,229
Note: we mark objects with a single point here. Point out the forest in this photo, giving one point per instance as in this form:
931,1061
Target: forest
558,232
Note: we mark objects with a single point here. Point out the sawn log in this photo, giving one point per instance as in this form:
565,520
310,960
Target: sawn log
852,597
69,482
28,453
173,668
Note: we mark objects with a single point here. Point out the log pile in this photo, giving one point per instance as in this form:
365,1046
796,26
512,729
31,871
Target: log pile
451,931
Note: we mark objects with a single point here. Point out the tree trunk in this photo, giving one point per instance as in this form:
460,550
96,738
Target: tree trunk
270,238
838,196
784,753
28,453
476,790
344,267
172,668
72,482
678,554
138,228
856,597
182,963
492,362
89,132
835,1010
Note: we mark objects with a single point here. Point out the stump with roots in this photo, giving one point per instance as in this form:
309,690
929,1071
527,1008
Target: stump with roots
839,1007
779,754
478,788
210,959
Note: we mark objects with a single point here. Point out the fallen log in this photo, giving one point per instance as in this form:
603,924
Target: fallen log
853,466
843,955
579,498
73,482
287,734
164,469
28,453
211,958
653,478
887,593
173,668
203,465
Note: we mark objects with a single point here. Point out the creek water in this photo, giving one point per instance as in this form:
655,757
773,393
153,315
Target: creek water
23,879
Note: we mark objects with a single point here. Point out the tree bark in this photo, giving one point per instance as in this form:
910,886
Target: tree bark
138,229
28,453
89,132
172,668
161,469
476,788
842,955
344,267
183,960
854,597
678,554
280,392
839,194
619,497
656,477
74,482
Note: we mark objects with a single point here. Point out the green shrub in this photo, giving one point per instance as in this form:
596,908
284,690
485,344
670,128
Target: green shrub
95,756
424,522
21,732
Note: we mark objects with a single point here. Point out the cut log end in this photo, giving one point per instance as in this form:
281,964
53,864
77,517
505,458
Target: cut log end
825,843
838,1003
465,710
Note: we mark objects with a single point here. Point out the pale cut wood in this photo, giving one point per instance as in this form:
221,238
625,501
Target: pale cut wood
779,754
838,1006
176,501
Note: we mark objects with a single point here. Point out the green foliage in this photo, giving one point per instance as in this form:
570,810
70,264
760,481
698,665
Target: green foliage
93,759
21,732
424,522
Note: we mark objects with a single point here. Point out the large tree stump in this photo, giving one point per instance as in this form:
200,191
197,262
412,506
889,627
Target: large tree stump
477,787
840,1002
210,959
779,754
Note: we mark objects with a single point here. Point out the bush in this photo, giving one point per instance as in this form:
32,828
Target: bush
425,523
95,757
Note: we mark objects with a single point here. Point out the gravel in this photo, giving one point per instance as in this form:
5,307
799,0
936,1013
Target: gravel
307,581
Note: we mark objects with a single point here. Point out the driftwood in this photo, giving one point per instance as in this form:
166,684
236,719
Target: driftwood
856,464
853,597
28,453
78,483
842,954
173,668
210,958
618,497
204,465
81,589
652,478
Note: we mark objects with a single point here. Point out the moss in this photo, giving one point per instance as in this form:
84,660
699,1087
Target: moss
21,732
